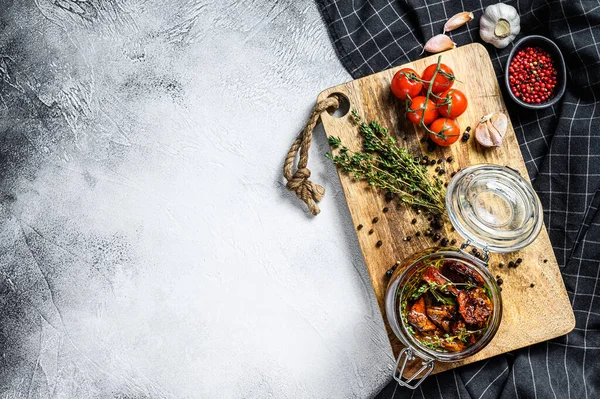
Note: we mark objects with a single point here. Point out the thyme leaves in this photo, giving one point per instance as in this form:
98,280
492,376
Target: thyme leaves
386,165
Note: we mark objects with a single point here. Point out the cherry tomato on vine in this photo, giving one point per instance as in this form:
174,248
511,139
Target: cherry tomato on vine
415,113
443,80
452,104
446,131
403,86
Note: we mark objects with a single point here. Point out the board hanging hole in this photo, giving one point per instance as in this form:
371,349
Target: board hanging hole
344,107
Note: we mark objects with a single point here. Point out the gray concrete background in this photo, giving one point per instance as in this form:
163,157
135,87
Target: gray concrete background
148,248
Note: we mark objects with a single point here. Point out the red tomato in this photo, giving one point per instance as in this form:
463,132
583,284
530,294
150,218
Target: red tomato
452,104
415,113
446,131
443,80
403,86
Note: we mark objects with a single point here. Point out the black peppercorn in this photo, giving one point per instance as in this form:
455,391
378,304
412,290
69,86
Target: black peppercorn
408,238
442,171
436,236
375,219
449,159
453,242
468,129
440,161
501,264
432,162
360,226
389,273
466,137
519,260
437,168
414,221
545,260
418,234
426,157
452,174
444,242
474,250
532,285
511,264
379,243
500,281
446,184
370,231
386,209
424,162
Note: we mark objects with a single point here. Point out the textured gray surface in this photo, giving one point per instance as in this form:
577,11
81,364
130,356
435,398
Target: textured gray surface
147,246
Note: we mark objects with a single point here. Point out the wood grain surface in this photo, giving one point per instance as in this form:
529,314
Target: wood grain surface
530,314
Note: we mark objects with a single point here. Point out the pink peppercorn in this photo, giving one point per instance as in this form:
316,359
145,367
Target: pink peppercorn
532,76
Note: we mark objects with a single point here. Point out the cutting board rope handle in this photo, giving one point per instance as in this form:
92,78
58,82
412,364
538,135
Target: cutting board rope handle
298,181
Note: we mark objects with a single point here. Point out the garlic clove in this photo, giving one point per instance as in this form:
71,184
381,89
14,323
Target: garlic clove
515,27
458,20
502,43
500,122
494,135
439,43
486,24
482,135
496,12
491,129
511,14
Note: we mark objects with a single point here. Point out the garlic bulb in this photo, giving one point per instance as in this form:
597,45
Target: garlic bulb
499,25
491,129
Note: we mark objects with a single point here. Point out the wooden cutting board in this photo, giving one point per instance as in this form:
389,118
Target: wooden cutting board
530,314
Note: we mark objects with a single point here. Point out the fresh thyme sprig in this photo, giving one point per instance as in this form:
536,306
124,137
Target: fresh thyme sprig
439,291
436,342
388,166
439,287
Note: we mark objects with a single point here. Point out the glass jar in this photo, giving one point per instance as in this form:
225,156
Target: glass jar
492,207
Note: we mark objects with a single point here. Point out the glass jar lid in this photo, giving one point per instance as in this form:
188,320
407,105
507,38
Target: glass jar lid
493,207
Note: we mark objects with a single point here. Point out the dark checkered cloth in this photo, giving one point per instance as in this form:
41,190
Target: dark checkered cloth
561,148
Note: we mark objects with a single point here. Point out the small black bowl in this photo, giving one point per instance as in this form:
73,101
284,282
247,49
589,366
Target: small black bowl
559,63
